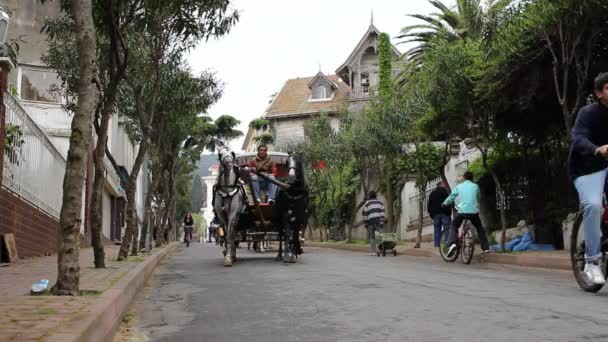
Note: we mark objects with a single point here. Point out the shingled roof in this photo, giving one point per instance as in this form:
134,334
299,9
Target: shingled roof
293,98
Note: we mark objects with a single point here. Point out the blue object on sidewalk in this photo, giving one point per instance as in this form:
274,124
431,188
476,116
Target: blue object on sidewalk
40,286
524,243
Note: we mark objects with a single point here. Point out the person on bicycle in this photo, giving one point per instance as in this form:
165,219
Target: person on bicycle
188,227
587,167
468,208
213,228
373,217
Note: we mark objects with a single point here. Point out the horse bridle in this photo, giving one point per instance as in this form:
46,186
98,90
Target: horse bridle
236,187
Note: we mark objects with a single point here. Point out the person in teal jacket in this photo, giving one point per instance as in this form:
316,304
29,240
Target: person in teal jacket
468,208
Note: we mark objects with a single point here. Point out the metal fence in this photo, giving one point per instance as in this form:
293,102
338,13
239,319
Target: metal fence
33,167
414,202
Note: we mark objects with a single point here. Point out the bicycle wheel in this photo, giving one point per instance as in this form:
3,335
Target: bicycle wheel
444,248
468,246
577,256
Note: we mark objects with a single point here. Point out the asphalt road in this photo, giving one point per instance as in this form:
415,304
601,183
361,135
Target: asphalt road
343,296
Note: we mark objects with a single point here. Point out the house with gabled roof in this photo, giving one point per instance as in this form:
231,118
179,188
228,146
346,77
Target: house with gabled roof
300,99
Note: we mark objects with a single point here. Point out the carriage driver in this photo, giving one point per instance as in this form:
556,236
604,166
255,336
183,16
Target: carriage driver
263,164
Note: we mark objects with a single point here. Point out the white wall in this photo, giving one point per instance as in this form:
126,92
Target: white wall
456,166
291,131
106,213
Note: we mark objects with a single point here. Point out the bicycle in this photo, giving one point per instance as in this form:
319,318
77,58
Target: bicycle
577,248
188,235
465,244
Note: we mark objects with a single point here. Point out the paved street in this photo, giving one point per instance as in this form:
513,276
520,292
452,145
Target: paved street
344,296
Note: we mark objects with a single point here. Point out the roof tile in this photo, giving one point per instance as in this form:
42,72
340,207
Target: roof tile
293,98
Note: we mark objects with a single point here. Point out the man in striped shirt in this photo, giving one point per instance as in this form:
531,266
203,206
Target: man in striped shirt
373,217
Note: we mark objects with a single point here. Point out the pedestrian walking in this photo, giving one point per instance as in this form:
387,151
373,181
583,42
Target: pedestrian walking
441,216
373,217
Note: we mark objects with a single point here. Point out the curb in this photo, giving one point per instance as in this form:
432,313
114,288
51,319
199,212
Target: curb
100,321
522,259
529,260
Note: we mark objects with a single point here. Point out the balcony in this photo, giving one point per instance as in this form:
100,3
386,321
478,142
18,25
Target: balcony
359,93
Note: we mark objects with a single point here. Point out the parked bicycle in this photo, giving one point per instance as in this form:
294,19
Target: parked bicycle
463,246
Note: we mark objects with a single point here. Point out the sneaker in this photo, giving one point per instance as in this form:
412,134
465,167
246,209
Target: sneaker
453,247
370,253
270,201
487,251
259,200
594,273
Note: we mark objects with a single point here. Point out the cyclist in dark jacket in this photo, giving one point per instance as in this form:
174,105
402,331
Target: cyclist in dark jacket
587,166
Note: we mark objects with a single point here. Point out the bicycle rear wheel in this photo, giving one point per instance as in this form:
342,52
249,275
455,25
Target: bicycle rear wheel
444,247
468,246
577,257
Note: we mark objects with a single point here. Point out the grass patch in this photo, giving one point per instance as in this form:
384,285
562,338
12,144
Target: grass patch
137,259
46,311
90,293
128,318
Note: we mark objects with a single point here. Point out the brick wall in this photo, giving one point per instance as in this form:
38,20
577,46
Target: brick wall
36,233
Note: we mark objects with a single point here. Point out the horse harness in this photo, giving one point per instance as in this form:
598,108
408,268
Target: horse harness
227,196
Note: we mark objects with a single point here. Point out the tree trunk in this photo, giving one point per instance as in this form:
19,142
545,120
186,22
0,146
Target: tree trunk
135,243
96,209
389,196
160,239
147,219
130,215
164,219
68,264
421,217
501,196
131,206
96,197
446,160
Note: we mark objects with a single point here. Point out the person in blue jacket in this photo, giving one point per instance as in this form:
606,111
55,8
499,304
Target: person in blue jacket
468,208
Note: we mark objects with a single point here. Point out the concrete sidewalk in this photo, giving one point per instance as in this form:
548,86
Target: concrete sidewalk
93,316
553,260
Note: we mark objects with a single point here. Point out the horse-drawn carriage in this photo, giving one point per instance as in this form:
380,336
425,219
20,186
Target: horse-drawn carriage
256,222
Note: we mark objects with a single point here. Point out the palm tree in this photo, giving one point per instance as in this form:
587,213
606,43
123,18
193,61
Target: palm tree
468,19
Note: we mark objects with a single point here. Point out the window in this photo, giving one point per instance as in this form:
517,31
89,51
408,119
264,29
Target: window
321,92
39,84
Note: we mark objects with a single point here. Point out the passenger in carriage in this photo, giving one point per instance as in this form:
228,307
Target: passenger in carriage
263,164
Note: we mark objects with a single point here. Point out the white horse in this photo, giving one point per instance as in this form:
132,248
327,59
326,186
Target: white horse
228,202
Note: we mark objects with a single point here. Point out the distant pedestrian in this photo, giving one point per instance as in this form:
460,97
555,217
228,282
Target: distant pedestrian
373,217
441,216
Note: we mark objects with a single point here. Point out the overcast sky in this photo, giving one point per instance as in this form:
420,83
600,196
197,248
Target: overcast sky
276,40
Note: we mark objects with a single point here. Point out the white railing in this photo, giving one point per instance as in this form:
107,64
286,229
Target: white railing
33,167
413,204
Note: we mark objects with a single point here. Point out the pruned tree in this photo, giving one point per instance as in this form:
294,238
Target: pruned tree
70,221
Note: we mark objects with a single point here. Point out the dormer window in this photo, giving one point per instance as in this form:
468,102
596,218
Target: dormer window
321,88
320,93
